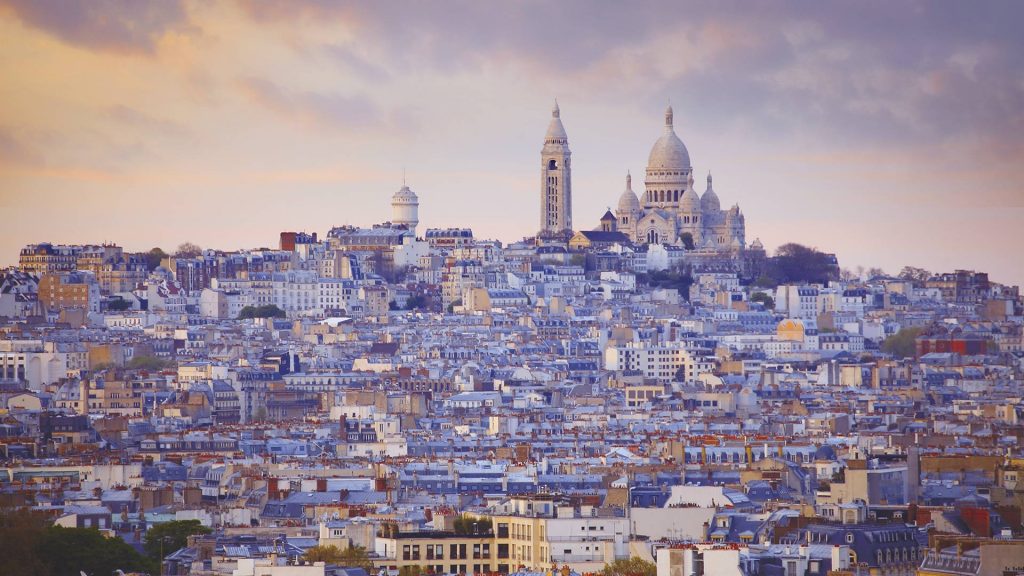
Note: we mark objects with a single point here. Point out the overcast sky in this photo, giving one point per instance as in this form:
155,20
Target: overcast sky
889,133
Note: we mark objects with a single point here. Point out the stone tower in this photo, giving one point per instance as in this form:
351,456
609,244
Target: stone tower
556,180
405,208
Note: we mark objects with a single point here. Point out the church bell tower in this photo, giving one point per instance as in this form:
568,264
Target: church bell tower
556,181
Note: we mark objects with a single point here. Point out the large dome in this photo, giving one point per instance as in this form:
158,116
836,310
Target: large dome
669,152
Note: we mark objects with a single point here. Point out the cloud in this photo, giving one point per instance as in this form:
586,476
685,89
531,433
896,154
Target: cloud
123,26
146,123
313,109
16,152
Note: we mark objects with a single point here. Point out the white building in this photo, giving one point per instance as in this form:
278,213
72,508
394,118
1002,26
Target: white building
660,362
405,206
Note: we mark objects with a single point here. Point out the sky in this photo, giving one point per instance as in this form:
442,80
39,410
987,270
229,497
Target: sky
889,133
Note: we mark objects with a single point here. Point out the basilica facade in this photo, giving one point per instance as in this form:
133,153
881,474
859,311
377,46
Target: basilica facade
671,211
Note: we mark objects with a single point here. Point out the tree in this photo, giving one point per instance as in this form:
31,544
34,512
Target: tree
764,299
679,279
145,362
85,550
903,343
21,532
153,258
795,264
118,305
687,239
265,311
330,554
356,557
170,536
188,250
410,571
633,566
916,275
467,524
419,301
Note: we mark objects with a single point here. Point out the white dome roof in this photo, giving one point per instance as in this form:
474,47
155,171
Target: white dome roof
669,152
709,200
689,201
404,194
628,202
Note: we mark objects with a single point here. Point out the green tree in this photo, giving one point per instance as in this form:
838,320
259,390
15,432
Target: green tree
468,524
266,311
21,533
146,362
75,550
330,554
410,571
903,343
633,566
170,536
356,557
764,299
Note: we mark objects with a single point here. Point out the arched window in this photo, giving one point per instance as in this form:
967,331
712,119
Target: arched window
552,165
652,237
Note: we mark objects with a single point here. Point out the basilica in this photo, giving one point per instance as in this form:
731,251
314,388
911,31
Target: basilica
671,211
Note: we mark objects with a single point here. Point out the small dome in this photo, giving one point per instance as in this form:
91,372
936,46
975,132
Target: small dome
628,202
756,244
709,200
405,194
669,152
689,201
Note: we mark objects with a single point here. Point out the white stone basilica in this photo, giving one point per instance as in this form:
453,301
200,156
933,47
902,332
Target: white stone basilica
671,211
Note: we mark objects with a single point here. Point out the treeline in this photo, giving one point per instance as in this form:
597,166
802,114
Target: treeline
265,311
798,264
